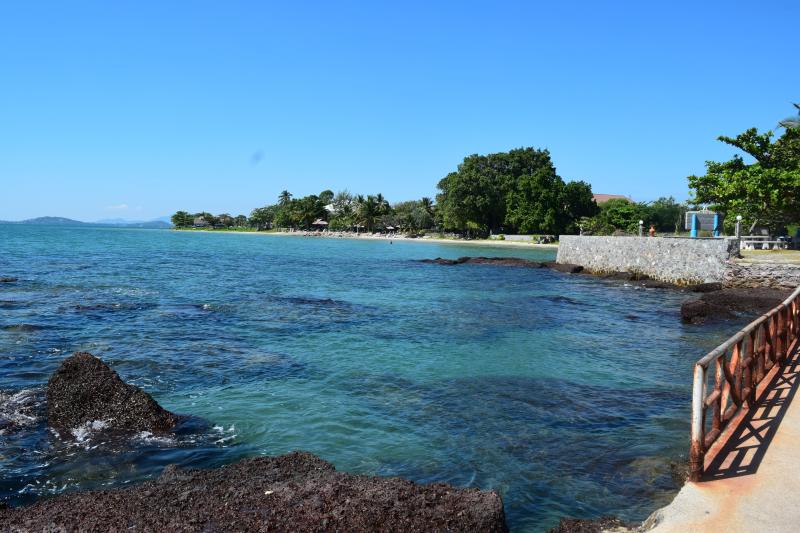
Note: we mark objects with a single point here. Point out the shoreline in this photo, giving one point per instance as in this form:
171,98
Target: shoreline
482,242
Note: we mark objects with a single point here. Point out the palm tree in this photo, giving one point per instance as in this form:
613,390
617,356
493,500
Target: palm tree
284,197
367,211
427,204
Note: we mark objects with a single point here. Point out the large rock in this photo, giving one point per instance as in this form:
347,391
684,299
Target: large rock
564,267
726,303
497,261
294,492
8,280
84,390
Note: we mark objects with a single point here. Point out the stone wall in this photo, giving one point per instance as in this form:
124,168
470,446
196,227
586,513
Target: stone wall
778,276
675,260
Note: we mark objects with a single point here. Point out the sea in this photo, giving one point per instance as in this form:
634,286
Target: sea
567,394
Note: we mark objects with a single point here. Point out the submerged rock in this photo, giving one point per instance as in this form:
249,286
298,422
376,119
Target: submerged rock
8,280
293,492
84,390
581,525
564,267
497,261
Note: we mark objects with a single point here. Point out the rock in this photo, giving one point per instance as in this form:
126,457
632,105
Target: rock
8,280
293,492
706,287
564,267
581,525
695,311
756,301
84,390
497,261
655,284
725,302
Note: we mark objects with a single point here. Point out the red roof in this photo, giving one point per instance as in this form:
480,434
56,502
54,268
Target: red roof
603,198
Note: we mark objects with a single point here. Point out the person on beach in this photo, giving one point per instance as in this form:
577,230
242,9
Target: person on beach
652,231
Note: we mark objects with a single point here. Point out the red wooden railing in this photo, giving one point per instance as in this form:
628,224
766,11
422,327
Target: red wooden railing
740,364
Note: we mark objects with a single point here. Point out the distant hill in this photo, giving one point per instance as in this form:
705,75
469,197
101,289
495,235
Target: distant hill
115,223
52,221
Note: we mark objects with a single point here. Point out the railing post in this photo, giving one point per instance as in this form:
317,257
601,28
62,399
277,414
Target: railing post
697,449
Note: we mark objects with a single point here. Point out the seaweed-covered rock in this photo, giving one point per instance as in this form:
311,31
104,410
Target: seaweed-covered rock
564,267
497,261
8,280
84,390
293,492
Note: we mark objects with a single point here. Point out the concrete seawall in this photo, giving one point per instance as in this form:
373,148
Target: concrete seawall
679,261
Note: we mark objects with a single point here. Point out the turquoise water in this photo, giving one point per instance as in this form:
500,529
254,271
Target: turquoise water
567,394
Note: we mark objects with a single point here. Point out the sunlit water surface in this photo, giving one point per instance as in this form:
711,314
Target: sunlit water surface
567,394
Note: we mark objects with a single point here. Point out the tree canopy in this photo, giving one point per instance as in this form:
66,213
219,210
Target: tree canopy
766,191
515,191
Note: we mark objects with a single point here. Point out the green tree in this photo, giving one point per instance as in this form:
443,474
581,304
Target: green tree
765,192
284,198
262,217
326,197
666,214
225,220
182,219
240,221
578,202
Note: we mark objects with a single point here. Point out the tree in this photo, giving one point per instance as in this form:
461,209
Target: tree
240,221
284,198
367,211
262,217
326,197
225,220
182,219
578,202
666,214
517,191
765,192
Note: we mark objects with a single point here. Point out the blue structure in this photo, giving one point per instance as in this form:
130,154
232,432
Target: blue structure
693,233
717,231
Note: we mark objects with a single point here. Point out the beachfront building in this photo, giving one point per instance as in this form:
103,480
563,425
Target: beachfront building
200,222
603,198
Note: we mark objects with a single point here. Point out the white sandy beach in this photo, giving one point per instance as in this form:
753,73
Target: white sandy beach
462,242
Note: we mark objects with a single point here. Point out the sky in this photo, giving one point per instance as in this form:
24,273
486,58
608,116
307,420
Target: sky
138,109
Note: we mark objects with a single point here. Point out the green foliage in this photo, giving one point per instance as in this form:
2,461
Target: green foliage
765,192
514,191
182,219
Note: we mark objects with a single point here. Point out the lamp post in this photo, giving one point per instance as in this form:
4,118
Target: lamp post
641,228
738,226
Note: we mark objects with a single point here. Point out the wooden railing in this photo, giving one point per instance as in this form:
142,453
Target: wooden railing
740,364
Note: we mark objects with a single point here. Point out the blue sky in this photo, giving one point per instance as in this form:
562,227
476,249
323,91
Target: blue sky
138,109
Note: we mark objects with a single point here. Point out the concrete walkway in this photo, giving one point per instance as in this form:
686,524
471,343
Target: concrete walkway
755,480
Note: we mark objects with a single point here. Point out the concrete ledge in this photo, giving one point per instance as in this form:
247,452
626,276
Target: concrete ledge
674,260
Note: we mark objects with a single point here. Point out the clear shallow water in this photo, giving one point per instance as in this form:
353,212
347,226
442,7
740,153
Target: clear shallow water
568,394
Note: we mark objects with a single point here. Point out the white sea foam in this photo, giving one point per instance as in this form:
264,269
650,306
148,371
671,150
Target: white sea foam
20,408
85,431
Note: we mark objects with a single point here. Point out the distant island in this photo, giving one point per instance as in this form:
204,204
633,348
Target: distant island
117,223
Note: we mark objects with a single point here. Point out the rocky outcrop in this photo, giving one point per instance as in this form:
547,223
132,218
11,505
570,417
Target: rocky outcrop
84,390
294,492
706,287
568,268
497,261
726,302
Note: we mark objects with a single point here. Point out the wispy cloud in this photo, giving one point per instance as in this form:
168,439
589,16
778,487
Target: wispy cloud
119,207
